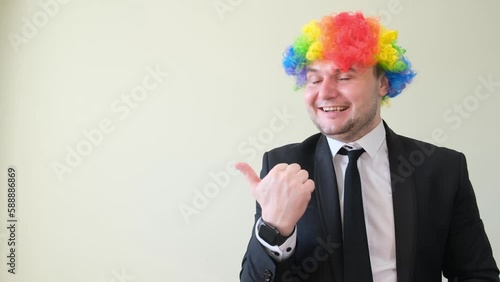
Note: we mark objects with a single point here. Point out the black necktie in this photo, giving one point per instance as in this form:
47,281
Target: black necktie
357,266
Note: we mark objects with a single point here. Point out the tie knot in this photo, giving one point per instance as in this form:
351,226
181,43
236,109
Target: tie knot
352,154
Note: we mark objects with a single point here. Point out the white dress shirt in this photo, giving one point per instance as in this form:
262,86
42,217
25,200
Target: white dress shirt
376,191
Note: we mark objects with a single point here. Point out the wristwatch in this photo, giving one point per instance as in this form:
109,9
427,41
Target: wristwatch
270,234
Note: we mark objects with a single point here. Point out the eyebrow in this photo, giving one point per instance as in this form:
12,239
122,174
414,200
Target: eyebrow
310,69
337,70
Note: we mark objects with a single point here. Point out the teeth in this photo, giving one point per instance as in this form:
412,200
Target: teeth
336,109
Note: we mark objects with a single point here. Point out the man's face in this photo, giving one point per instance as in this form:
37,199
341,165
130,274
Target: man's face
344,105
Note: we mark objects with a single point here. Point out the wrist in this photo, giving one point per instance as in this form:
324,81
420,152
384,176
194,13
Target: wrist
272,235
284,229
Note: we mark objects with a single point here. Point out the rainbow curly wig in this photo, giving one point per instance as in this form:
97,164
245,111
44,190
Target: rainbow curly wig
349,39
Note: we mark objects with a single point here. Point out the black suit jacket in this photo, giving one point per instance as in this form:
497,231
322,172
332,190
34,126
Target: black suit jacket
437,222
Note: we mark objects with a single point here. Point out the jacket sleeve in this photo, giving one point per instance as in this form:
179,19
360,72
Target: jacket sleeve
468,254
257,265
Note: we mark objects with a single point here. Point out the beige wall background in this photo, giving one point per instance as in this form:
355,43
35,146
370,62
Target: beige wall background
122,119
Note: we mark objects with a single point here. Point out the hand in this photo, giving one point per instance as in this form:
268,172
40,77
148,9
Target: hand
283,194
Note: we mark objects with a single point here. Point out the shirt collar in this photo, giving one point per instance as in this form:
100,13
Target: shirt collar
371,142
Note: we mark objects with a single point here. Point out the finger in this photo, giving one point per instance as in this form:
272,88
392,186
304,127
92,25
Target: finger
309,185
250,175
303,175
277,170
293,168
279,167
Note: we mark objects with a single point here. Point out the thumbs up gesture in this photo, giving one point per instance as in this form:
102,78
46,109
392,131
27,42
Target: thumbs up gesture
283,194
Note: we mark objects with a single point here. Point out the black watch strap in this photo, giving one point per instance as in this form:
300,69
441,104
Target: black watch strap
270,234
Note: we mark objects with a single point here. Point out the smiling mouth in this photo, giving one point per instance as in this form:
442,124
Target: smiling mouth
334,109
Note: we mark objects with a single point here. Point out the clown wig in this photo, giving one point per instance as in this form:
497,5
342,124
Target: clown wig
349,39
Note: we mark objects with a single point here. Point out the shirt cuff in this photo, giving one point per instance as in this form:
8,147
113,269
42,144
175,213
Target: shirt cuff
282,252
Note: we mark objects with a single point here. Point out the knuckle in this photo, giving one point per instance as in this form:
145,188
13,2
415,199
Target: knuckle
310,184
281,177
294,166
279,167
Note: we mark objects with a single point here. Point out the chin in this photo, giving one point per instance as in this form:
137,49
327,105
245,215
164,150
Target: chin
334,129
330,131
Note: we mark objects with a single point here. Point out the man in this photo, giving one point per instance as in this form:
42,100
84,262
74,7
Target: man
357,202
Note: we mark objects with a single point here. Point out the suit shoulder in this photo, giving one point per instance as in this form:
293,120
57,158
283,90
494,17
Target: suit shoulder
414,145
296,150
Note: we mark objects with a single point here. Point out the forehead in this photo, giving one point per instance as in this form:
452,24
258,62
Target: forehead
323,66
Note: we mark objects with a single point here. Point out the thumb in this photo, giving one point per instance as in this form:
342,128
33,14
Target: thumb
252,178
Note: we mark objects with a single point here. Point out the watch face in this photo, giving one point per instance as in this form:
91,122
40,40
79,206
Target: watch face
268,234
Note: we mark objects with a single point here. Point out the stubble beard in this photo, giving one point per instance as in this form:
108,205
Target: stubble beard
352,129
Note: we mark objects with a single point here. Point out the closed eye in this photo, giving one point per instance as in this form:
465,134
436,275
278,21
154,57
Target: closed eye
314,80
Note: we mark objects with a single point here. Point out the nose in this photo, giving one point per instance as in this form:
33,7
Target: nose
328,88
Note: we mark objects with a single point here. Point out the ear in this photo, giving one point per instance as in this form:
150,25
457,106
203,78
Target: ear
383,85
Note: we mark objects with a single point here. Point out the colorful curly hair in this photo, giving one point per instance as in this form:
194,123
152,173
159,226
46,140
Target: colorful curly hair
348,39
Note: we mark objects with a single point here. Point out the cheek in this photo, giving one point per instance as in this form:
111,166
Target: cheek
309,97
358,104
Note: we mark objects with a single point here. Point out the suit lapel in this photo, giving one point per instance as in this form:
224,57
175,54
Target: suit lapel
403,197
327,198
